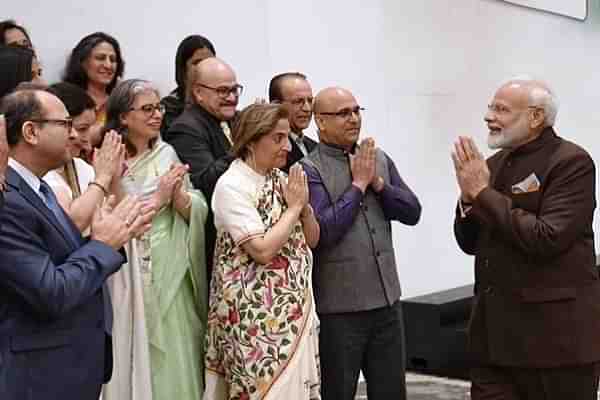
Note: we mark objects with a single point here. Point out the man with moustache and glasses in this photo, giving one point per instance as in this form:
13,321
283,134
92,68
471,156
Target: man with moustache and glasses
201,135
293,91
526,214
355,192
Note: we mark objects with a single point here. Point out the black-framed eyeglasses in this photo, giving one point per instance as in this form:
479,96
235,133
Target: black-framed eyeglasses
300,101
148,109
225,91
65,123
345,113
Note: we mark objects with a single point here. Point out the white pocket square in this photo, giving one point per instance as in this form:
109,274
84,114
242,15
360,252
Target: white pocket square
527,185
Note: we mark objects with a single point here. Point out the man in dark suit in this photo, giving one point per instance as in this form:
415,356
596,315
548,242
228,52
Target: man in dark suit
293,91
54,311
201,135
3,155
526,214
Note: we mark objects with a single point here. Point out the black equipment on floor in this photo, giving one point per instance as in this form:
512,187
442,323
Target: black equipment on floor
436,332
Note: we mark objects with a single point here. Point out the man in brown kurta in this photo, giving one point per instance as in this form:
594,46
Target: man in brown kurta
526,214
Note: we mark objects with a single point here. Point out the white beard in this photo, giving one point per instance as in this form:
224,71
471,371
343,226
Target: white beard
497,141
509,137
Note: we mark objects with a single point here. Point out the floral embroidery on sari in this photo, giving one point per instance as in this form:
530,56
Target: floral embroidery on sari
258,312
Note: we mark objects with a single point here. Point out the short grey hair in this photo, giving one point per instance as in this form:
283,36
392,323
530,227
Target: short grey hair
120,101
540,95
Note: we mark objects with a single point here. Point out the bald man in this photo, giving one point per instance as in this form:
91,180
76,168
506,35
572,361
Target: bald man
526,214
355,192
201,135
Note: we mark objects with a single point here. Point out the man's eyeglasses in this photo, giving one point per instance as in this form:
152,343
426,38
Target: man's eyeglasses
225,91
148,109
345,113
65,123
299,102
501,109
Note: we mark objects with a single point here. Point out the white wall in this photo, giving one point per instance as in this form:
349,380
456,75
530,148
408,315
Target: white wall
425,70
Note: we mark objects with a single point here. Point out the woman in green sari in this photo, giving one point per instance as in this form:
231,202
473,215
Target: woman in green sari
160,296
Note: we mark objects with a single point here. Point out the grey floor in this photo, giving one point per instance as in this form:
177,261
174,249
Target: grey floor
424,387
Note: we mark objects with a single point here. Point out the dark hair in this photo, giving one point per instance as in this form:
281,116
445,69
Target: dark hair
74,71
9,24
185,51
254,122
15,67
119,102
275,93
19,107
75,99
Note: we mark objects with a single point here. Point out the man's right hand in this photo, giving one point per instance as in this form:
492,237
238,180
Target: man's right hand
362,164
116,226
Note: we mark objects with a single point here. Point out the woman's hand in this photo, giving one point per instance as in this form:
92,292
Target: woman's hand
180,195
295,192
182,200
108,159
166,186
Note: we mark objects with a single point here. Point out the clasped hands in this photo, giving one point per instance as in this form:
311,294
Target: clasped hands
295,192
116,225
472,173
170,188
362,165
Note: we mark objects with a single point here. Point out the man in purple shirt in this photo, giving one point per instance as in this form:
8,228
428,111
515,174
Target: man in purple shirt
355,192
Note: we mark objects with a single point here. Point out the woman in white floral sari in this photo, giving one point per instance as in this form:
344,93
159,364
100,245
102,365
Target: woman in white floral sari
262,326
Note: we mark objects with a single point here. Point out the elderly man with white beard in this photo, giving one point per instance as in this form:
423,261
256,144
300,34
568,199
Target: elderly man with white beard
526,215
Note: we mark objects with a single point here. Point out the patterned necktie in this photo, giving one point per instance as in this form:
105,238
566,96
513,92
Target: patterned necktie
227,131
52,204
301,145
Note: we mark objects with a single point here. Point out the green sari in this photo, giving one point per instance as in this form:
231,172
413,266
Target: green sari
171,261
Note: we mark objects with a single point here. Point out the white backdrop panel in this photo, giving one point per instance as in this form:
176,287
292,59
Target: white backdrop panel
424,70
571,8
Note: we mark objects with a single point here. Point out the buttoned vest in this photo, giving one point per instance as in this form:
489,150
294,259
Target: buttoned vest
357,273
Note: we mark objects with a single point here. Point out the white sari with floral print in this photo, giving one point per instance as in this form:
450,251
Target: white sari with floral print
262,340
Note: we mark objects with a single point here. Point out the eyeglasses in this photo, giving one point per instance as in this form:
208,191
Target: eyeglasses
501,109
65,123
301,101
345,113
498,109
148,109
225,91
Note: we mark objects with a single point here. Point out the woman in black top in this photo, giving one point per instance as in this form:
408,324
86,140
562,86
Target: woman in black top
190,52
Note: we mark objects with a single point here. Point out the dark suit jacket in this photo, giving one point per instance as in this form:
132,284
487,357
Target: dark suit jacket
52,316
296,154
199,141
537,291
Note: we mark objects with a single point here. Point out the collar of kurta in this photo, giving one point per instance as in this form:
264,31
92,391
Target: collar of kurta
335,150
547,136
